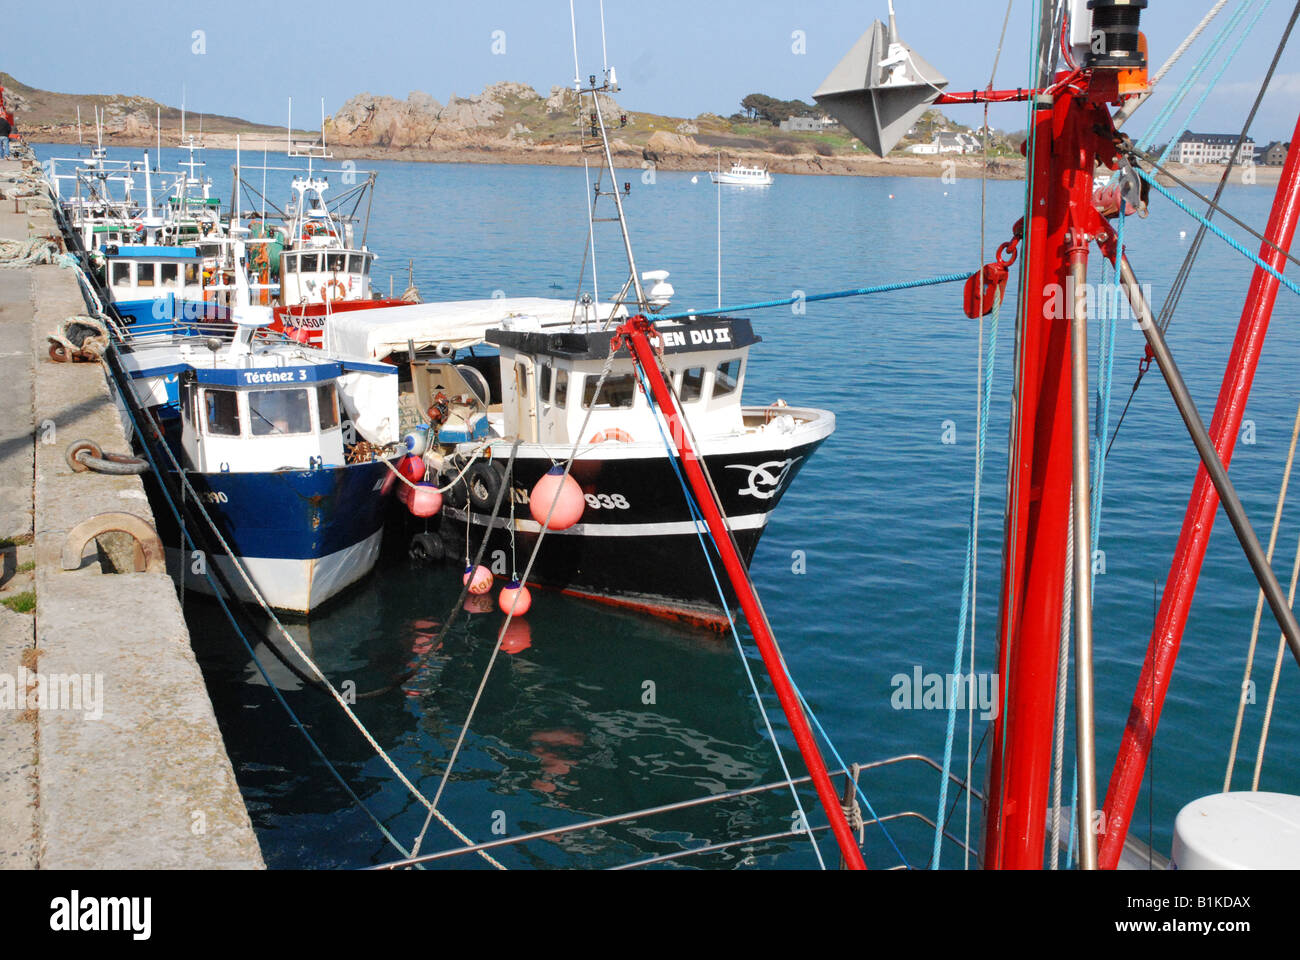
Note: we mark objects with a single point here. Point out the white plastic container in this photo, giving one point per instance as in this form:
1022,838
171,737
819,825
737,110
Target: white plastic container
1238,831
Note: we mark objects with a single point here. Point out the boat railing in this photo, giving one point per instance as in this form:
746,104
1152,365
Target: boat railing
848,778
160,332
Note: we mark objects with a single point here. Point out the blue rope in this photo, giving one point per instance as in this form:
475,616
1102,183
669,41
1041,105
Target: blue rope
815,297
1196,108
1167,111
971,535
700,527
1230,241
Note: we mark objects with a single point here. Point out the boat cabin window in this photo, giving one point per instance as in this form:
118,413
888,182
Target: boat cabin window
168,273
279,413
726,377
121,274
544,383
691,387
309,263
561,388
289,262
222,408
355,262
521,380
191,274
336,262
618,393
144,274
328,404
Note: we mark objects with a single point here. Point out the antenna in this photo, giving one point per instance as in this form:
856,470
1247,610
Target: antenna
182,111
718,189
78,124
288,133
577,71
591,236
158,130
604,55
322,124
234,220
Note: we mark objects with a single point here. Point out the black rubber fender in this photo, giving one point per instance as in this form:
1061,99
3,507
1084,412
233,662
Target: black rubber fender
484,482
426,548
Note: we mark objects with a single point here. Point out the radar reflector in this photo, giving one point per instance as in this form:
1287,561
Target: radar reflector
880,88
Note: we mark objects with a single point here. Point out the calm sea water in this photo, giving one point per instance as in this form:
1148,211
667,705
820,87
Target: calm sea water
879,515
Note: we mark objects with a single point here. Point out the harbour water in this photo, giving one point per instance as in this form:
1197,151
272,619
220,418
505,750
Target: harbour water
861,568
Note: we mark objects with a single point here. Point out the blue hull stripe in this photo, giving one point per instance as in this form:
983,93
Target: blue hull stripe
295,515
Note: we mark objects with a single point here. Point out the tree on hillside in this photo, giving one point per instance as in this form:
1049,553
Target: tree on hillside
759,106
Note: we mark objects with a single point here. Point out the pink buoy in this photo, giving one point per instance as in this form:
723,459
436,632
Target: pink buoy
479,579
515,598
517,638
412,468
424,500
404,495
566,495
479,604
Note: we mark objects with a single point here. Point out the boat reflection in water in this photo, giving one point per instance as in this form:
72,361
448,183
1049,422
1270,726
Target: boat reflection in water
597,712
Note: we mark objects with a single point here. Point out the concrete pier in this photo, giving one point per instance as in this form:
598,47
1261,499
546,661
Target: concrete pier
128,769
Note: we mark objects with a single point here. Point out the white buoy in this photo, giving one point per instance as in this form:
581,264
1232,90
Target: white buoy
695,179
1238,831
1182,234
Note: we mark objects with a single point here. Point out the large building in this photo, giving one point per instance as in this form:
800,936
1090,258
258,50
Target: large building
1193,148
1274,155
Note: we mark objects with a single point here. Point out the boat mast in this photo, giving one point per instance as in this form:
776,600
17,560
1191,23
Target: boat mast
1070,133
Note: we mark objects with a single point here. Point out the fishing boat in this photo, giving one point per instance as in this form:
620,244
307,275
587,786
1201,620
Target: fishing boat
285,448
741,175
637,543
497,392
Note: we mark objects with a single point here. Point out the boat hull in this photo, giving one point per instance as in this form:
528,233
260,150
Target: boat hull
637,544
303,537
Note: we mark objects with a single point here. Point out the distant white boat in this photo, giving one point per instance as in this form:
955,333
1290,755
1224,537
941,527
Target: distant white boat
741,175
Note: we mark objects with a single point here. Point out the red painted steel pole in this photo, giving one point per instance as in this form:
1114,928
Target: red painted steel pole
1070,132
1180,587
637,332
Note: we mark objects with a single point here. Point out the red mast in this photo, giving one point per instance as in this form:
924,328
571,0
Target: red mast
1062,222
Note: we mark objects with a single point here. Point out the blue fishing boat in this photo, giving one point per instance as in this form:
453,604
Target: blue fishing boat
285,448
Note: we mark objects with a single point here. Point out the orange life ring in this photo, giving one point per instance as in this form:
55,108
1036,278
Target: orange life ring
622,436
342,290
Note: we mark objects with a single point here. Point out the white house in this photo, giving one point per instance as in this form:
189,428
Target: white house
1194,148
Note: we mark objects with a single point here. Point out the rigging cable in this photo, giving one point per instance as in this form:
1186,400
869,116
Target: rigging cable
979,413
1167,111
968,579
487,671
1184,273
1259,610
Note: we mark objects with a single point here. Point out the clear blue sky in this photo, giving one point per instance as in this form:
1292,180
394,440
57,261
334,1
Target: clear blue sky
673,57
